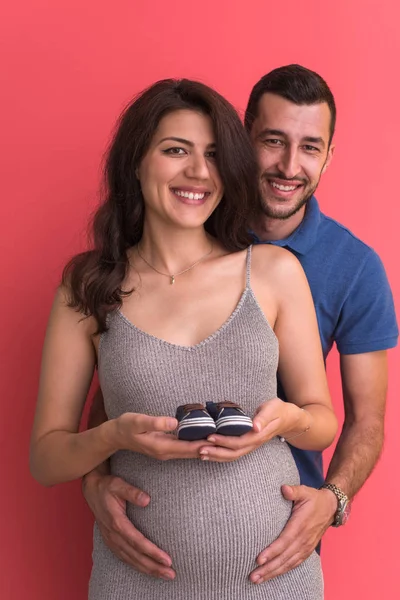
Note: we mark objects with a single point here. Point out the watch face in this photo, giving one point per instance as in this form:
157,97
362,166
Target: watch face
345,513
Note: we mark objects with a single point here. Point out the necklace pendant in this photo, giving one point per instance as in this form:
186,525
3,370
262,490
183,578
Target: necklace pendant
172,279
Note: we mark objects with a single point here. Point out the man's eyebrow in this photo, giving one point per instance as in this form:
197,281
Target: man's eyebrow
315,140
280,133
183,141
268,131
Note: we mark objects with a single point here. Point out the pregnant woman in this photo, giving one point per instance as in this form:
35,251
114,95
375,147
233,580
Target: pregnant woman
175,307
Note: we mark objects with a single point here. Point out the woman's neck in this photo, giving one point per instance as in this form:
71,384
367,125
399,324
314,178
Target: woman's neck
170,249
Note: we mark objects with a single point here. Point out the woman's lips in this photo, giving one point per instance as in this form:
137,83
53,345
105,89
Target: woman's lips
191,196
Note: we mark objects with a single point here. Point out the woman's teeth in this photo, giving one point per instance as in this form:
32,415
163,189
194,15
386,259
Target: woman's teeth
190,195
283,188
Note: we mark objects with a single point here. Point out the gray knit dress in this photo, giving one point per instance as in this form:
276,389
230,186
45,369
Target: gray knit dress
213,519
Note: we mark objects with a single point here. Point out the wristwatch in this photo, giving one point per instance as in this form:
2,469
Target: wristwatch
344,506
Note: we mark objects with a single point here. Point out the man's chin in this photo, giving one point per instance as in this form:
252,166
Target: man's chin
274,211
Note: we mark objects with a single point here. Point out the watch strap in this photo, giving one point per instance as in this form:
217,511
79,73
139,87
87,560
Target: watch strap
342,502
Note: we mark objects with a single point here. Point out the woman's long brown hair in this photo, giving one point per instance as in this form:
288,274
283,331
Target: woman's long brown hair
94,278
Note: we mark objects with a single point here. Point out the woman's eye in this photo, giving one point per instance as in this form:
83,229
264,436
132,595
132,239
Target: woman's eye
211,154
175,150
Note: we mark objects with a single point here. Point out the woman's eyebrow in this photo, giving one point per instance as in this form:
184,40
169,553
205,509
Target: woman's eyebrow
183,141
176,139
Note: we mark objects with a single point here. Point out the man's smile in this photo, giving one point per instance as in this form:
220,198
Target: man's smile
282,188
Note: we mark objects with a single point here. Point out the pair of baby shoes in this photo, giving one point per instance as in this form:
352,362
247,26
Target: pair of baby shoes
197,422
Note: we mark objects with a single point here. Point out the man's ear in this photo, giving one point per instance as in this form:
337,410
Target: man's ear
329,157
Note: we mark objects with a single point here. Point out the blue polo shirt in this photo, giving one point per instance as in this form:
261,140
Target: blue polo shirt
352,298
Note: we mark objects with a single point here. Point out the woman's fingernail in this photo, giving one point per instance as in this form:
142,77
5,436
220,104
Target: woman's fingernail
166,562
256,578
203,452
171,424
143,498
212,439
204,457
262,561
168,576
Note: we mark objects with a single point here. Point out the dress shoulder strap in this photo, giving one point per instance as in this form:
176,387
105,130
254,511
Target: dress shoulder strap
248,266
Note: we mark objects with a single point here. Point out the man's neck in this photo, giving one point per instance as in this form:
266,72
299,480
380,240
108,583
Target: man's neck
268,229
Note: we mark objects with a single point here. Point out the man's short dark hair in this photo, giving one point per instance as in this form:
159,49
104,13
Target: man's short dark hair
298,85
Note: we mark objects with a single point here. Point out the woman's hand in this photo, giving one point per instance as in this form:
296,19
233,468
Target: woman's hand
272,418
152,437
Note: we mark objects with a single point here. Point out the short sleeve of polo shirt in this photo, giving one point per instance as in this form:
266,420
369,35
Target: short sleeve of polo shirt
367,321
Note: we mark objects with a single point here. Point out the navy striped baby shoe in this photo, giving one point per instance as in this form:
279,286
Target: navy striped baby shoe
229,418
194,422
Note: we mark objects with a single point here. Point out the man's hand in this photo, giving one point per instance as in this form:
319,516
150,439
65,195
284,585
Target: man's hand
312,514
272,418
107,496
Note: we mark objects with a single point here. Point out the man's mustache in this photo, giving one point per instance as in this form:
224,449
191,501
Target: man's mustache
297,180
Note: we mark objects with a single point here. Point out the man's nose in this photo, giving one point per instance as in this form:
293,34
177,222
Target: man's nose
289,163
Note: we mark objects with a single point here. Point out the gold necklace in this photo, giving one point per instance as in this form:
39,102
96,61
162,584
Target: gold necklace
172,277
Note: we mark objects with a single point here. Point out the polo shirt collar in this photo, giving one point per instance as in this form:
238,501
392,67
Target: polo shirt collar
304,237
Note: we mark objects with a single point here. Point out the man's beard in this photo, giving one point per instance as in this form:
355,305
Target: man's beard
277,212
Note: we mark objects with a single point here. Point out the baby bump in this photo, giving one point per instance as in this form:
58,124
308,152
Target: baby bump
207,515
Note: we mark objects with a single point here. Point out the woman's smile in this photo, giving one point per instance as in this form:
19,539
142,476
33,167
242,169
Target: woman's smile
191,195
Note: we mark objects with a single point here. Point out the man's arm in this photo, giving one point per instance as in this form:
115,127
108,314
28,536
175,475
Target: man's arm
97,416
364,382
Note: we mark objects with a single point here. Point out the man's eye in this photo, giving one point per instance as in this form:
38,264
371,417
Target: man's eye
175,150
273,142
309,148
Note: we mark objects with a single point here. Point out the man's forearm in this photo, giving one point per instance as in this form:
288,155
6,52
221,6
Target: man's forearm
97,416
97,413
356,455
364,383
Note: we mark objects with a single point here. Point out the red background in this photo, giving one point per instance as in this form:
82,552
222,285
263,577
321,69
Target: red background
69,69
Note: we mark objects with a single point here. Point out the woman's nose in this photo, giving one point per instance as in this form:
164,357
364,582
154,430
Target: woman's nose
197,167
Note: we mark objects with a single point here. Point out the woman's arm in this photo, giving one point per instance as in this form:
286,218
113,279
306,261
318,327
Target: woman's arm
301,365
58,452
280,286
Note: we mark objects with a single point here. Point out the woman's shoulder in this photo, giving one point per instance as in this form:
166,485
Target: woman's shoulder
273,258
276,267
276,273
65,313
